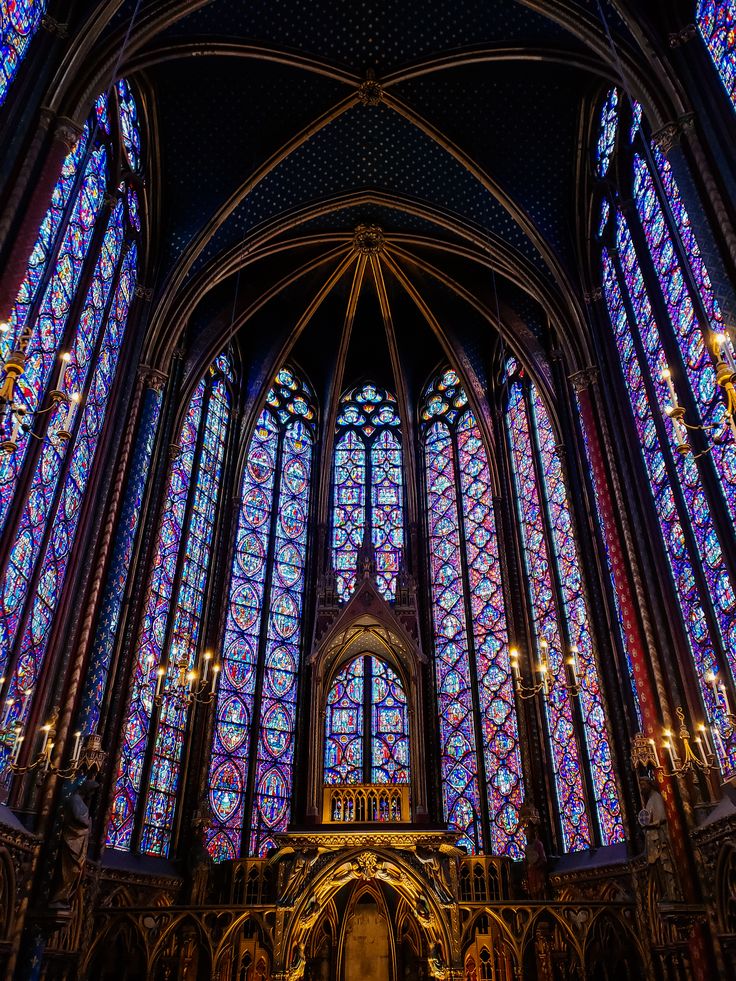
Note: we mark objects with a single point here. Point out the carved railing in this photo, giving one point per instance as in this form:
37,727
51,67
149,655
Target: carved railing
366,803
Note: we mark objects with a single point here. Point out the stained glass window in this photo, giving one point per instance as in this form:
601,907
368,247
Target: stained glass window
561,625
129,126
607,133
19,21
716,20
61,400
169,646
479,737
253,744
368,489
366,725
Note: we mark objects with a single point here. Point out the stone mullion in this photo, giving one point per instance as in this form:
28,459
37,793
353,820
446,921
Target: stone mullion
171,617
561,612
532,738
195,756
604,630
120,683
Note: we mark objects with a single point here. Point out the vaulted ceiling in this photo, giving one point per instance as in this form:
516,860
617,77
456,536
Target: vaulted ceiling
460,129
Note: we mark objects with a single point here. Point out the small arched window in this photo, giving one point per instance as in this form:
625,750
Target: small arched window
368,487
366,725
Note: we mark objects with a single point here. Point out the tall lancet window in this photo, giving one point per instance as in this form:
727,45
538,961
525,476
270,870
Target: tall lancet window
65,334
482,777
251,769
169,645
368,487
716,20
664,315
587,795
19,21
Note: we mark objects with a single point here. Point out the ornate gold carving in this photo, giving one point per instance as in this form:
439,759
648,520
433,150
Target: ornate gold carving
370,92
368,239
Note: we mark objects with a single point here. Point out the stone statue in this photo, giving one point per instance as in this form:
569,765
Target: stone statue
432,864
298,874
653,819
535,859
75,826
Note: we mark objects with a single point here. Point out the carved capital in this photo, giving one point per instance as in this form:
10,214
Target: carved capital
368,239
670,134
593,296
685,34
152,377
370,92
67,131
55,27
584,378
174,450
144,293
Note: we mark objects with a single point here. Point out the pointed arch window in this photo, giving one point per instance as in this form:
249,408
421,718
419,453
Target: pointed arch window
579,743
482,779
716,20
663,311
251,768
147,782
75,298
19,21
366,725
368,487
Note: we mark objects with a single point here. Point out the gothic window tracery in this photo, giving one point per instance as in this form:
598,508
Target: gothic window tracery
664,313
253,748
368,487
148,775
478,728
69,320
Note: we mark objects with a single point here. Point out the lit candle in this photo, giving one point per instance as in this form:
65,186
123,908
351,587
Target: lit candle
77,747
545,682
718,741
699,744
724,693
8,706
16,428
65,359
207,659
667,375
191,678
655,754
45,730
66,424
215,674
679,429
670,753
514,658
711,680
4,326
16,747
724,351
160,672
703,730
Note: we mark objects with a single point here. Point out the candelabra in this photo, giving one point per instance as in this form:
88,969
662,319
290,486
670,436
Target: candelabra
725,371
86,756
15,412
686,753
572,685
190,686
